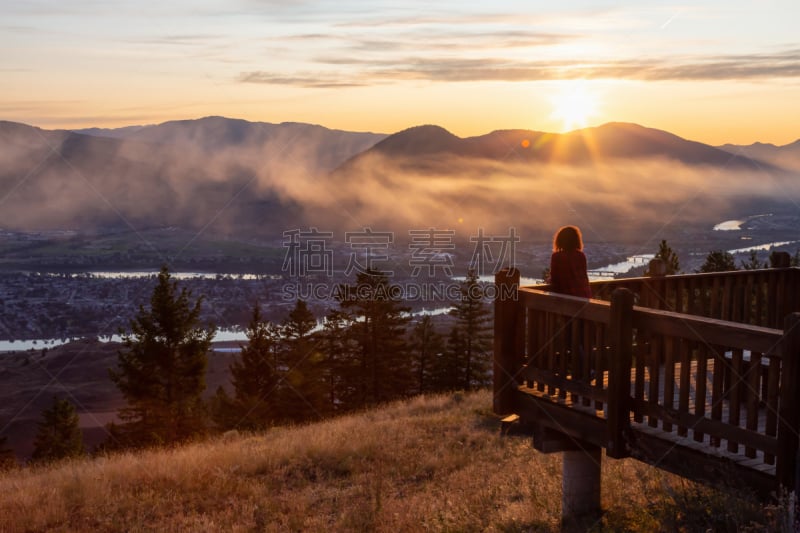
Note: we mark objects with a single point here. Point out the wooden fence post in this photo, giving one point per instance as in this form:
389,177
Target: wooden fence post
507,340
619,372
780,260
789,411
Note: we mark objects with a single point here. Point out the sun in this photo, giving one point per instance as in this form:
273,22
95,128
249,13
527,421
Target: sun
574,104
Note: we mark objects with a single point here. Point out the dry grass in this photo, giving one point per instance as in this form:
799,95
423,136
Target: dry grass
429,464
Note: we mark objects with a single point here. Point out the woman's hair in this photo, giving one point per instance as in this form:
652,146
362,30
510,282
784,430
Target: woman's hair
568,238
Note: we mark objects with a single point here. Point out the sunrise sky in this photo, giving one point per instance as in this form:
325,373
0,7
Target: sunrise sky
713,71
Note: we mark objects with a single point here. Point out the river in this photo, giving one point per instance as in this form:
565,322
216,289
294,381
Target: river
230,335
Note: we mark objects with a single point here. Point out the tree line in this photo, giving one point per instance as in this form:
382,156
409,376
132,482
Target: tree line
715,261
365,352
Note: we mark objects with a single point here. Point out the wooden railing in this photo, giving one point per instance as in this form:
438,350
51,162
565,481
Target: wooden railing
759,297
657,366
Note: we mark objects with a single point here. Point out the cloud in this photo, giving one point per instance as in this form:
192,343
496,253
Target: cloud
307,80
365,70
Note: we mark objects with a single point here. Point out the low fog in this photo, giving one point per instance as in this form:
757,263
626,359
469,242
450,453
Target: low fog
261,186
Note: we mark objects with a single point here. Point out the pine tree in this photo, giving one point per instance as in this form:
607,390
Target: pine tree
255,377
162,368
473,320
426,346
339,349
753,262
304,388
59,435
669,258
718,261
8,459
448,365
381,370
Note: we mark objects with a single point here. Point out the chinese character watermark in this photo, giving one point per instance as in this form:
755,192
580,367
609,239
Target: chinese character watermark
308,252
493,252
431,248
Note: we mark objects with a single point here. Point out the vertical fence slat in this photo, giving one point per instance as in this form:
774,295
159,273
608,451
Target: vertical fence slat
700,387
669,378
771,429
642,347
753,388
656,351
717,389
532,342
727,300
734,399
541,329
619,372
714,304
600,355
586,342
685,383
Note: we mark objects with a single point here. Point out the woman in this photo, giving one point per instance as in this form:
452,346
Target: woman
568,276
568,264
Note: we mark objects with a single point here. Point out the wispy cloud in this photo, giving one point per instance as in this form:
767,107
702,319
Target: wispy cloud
307,80
365,70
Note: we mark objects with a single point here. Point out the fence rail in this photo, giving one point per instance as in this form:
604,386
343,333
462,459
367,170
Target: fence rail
706,362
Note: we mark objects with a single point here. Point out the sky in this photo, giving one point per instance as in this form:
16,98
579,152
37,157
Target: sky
712,71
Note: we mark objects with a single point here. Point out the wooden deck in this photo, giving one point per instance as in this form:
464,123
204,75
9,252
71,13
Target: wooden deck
676,383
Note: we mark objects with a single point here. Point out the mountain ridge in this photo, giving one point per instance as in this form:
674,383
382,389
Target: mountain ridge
612,140
259,179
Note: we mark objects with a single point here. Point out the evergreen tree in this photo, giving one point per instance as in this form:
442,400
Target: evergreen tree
225,412
304,388
339,349
426,346
8,459
473,320
753,262
162,368
59,435
718,261
381,370
254,375
448,366
669,257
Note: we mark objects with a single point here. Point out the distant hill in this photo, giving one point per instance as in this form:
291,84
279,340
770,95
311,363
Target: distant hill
616,140
787,156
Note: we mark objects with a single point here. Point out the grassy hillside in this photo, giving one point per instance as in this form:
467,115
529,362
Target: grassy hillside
433,463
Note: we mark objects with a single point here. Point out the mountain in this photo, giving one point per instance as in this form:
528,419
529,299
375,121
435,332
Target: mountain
213,173
326,148
787,156
610,141
233,177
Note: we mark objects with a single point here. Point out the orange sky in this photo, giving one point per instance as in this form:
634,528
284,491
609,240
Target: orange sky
720,72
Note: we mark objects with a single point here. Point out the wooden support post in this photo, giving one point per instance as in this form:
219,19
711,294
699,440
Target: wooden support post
780,260
789,411
508,340
580,488
619,372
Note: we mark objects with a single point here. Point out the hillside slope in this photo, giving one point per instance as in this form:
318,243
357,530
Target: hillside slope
434,463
